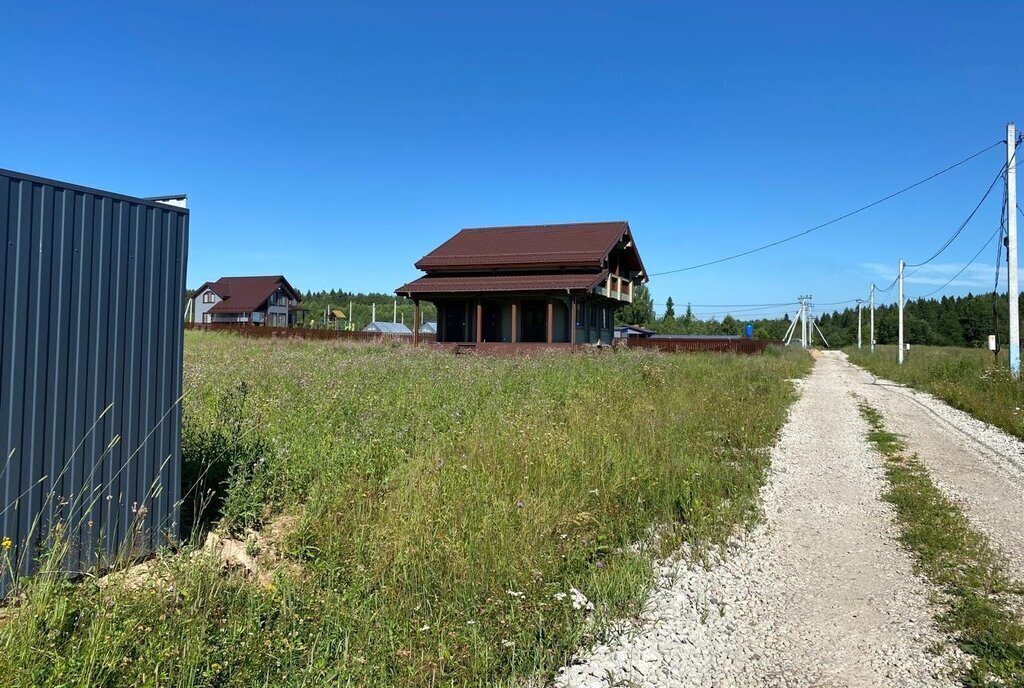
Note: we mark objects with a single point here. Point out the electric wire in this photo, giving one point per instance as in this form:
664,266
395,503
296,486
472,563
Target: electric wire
968,264
999,254
829,222
949,241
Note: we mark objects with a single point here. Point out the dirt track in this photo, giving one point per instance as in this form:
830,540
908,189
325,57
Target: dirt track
821,594
979,466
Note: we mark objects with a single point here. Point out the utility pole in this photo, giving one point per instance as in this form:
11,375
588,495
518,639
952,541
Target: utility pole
351,322
1011,248
810,325
871,344
859,302
805,328
899,355
394,318
373,314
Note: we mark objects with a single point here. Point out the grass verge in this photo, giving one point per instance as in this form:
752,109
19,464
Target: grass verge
967,379
445,509
980,603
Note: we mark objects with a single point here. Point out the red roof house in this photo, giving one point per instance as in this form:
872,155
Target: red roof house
538,284
266,300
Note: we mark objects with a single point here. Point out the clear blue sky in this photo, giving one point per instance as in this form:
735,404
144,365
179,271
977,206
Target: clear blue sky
336,143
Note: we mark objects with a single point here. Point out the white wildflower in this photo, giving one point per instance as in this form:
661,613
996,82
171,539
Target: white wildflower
580,601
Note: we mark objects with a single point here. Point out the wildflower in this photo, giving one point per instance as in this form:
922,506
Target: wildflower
519,504
425,627
580,601
215,666
6,543
516,593
560,596
507,643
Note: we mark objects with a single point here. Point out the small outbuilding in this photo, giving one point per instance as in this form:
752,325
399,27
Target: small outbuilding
429,327
388,328
632,332
513,287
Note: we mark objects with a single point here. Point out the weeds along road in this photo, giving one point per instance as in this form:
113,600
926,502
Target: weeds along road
978,466
819,594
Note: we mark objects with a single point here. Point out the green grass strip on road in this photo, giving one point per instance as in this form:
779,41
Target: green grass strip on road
967,379
980,603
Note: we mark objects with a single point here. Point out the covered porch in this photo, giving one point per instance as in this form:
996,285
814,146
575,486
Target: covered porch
514,319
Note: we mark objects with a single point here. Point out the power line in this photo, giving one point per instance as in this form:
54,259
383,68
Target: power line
832,221
963,224
999,230
730,305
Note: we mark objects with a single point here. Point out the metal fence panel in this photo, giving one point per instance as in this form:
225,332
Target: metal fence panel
91,339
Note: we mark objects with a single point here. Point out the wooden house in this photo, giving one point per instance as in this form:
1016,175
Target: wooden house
539,285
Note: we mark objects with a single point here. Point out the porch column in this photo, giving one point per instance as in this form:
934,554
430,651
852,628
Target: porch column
416,322
551,320
479,321
572,321
515,320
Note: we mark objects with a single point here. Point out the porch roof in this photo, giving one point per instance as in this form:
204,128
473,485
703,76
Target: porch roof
456,284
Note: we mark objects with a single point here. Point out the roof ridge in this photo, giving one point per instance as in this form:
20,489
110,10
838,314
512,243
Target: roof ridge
545,226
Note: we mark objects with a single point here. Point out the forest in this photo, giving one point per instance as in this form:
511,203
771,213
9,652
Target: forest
950,321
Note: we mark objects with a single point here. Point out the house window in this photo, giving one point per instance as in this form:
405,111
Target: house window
208,297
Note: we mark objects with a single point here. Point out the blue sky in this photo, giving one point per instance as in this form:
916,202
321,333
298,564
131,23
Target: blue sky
336,143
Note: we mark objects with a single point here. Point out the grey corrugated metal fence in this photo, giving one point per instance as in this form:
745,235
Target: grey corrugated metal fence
90,369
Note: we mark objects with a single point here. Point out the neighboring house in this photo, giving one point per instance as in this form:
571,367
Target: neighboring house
429,327
387,328
268,300
540,284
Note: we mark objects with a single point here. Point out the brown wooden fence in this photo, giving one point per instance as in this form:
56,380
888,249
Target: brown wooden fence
740,346
264,331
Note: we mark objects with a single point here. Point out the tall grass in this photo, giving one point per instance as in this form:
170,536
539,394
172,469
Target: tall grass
967,379
444,508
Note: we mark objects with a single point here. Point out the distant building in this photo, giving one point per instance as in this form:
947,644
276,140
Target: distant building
632,332
267,300
387,328
429,327
534,285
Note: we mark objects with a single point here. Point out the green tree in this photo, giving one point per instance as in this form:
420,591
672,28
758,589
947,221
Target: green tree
641,311
670,310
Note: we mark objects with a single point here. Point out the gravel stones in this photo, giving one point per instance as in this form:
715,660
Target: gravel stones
978,466
820,594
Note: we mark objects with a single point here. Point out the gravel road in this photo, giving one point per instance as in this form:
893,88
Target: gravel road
977,465
820,594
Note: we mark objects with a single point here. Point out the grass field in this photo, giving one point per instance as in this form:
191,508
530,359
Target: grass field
967,379
442,511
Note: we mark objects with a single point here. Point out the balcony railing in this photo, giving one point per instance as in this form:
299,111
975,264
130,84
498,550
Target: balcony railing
618,288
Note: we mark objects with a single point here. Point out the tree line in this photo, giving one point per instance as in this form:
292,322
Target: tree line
948,321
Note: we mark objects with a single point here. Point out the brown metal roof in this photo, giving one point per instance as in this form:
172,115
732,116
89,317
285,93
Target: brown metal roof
496,283
247,294
584,244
